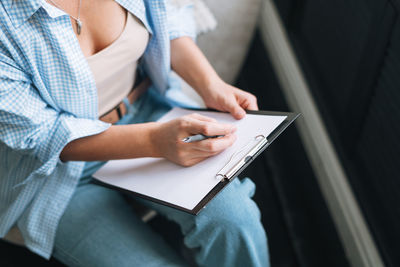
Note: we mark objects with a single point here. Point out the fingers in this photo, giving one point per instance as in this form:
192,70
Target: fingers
202,118
235,109
239,102
207,148
209,128
214,146
253,105
248,101
188,154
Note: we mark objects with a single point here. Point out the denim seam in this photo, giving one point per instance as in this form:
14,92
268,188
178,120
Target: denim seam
70,256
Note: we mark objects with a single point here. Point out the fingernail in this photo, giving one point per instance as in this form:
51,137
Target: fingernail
241,114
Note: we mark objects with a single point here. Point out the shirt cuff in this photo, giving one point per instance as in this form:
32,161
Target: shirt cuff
67,129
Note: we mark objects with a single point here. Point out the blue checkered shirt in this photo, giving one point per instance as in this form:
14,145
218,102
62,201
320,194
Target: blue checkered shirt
48,98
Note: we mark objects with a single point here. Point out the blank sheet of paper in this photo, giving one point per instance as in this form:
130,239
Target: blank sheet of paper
184,186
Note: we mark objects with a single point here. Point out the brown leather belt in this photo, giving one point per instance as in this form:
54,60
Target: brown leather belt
120,110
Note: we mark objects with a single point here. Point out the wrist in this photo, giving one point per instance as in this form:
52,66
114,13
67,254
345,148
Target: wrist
153,139
208,86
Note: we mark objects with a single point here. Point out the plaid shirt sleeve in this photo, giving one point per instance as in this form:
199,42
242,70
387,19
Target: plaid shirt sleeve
180,21
37,128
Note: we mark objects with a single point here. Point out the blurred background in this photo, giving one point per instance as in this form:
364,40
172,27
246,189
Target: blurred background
328,188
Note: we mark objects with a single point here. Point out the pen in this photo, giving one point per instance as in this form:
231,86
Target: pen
199,137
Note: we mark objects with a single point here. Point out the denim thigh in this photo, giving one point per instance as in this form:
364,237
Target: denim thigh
99,228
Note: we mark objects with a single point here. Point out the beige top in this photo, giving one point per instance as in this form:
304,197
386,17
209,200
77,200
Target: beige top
114,67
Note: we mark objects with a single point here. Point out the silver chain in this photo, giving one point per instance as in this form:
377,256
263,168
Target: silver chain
77,20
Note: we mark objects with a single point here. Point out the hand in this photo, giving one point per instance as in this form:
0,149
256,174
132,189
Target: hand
167,139
224,97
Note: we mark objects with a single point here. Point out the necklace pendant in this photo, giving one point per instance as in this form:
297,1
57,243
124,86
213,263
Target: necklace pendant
78,26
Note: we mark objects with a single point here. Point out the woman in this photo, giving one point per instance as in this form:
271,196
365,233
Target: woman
63,64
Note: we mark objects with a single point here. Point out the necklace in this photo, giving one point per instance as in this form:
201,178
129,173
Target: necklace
77,20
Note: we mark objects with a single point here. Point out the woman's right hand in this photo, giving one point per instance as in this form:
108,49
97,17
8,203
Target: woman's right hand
167,139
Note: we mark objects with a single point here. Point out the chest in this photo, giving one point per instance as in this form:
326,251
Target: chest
57,67
102,22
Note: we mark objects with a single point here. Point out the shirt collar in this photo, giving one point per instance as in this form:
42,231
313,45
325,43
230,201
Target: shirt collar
53,11
21,10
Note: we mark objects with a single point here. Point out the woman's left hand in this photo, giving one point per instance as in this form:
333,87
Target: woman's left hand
224,97
191,64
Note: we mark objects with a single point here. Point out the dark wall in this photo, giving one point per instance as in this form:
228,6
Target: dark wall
350,53
299,227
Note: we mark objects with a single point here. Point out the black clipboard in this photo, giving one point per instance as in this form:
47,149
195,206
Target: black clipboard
263,144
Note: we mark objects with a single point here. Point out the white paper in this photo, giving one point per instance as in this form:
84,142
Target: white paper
184,186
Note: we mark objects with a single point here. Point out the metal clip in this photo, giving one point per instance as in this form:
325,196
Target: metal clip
230,173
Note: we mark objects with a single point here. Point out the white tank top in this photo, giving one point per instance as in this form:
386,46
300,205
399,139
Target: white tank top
114,67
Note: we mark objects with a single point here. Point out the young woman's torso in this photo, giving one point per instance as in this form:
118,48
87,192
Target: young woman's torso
112,40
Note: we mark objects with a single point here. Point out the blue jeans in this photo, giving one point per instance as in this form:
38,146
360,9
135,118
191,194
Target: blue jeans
99,228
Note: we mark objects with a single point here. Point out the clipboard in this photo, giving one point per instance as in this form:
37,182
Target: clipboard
229,171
